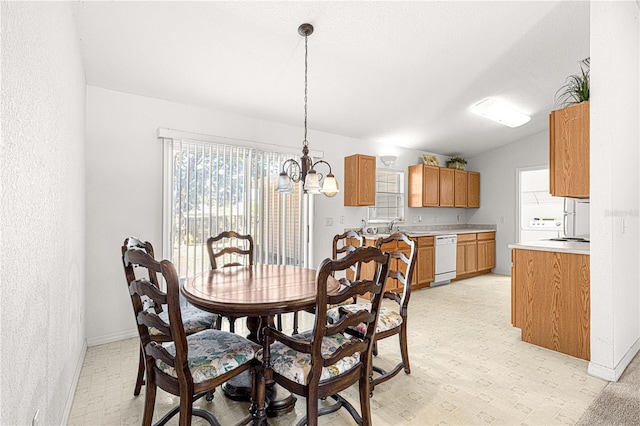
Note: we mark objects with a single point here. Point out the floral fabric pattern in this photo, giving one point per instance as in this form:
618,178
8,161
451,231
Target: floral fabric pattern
212,353
193,319
296,365
387,318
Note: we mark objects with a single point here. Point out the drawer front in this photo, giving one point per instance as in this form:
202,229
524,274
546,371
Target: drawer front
424,241
486,236
462,238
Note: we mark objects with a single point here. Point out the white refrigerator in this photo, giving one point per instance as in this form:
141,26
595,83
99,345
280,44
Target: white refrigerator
576,218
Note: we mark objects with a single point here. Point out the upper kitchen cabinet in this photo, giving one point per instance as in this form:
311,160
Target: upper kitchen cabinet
360,180
432,186
473,189
569,151
461,187
424,186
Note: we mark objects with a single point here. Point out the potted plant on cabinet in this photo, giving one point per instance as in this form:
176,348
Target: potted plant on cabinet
457,162
576,88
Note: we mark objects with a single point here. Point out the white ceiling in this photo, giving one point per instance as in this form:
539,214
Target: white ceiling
403,73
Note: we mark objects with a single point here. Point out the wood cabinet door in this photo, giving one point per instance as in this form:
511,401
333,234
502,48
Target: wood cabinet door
425,270
473,189
431,186
460,259
460,188
486,255
569,151
416,182
447,188
360,180
470,257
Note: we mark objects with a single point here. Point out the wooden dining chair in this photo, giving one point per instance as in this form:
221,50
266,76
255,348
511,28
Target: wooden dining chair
235,250
323,361
391,322
193,319
187,366
342,245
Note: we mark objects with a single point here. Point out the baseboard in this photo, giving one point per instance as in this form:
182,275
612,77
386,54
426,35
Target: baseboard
74,384
613,374
110,338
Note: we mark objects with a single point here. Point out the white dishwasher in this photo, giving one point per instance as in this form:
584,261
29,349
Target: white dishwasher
445,258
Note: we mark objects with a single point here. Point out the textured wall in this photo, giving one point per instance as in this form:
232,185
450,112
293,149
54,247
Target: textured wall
499,186
42,226
615,201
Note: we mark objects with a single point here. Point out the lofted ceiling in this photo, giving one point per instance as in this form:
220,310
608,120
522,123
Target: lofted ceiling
401,73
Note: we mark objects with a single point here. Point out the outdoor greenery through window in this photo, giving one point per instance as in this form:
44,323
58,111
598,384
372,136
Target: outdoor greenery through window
216,187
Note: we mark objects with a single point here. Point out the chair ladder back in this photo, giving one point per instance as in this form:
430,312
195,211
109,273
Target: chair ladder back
147,319
346,243
405,265
234,246
374,286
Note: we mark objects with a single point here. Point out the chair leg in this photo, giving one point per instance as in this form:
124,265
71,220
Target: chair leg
186,407
279,318
140,379
365,403
312,407
232,324
404,350
149,400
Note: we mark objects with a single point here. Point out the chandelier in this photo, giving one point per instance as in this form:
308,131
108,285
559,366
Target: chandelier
305,170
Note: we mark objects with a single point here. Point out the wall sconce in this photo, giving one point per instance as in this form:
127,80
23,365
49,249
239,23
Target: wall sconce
388,160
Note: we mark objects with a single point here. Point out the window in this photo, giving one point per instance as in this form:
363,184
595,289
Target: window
389,197
212,187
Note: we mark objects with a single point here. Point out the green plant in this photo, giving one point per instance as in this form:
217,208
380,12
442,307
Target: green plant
576,88
456,159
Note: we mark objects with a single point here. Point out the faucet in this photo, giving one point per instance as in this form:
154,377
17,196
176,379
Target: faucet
391,225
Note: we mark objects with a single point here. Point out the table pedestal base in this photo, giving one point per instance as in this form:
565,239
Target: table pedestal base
279,400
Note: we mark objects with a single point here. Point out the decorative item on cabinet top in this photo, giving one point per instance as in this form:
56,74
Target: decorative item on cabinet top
430,160
576,88
456,162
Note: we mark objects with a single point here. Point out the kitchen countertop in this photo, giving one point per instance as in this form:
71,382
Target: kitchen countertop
559,246
444,230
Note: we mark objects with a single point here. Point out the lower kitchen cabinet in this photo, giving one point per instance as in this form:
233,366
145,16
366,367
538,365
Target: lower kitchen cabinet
466,255
424,270
486,250
550,300
476,254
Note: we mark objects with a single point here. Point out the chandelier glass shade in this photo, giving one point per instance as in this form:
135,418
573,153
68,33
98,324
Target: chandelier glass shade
305,170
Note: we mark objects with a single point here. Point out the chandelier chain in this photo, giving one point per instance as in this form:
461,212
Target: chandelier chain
305,142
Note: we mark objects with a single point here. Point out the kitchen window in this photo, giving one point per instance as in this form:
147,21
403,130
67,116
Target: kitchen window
389,197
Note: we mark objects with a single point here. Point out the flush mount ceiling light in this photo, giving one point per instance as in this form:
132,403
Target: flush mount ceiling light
500,112
305,170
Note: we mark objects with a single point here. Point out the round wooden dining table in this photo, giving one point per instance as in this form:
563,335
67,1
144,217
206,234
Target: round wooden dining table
258,292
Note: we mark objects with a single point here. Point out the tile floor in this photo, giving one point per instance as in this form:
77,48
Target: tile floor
468,367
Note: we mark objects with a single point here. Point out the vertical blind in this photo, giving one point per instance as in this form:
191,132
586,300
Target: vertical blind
213,187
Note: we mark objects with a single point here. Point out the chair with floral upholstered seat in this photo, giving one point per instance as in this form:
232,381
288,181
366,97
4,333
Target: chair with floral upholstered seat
193,319
391,322
323,361
187,366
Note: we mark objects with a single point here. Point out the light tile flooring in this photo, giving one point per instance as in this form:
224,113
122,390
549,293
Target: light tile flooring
468,367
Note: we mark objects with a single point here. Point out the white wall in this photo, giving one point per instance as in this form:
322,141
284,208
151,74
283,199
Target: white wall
615,135
124,188
499,189
42,224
